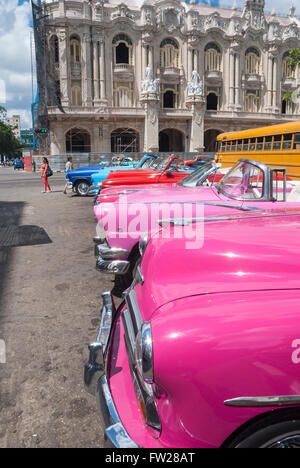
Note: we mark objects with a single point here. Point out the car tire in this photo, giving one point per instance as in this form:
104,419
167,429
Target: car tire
276,431
82,188
122,282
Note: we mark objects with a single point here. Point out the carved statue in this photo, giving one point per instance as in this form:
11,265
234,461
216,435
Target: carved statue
195,87
149,85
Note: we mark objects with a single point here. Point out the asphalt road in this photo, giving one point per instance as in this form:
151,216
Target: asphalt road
50,296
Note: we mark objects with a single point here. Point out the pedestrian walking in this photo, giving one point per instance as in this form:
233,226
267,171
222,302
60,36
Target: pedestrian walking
45,169
69,168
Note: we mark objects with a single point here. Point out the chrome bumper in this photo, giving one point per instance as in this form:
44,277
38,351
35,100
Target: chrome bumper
96,381
111,259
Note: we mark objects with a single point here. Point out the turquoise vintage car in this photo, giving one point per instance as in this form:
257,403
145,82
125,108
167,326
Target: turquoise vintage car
81,178
100,176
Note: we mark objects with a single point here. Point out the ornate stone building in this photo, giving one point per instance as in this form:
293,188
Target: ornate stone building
163,75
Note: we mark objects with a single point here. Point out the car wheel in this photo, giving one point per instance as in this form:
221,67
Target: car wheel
122,282
82,188
280,431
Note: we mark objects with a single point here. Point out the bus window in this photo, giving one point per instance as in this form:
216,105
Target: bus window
287,141
268,143
246,145
277,143
260,144
297,141
252,144
239,145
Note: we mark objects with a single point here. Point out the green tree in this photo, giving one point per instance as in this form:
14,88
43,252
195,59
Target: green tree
10,147
294,61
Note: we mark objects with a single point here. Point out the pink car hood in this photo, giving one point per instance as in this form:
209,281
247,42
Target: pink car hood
237,255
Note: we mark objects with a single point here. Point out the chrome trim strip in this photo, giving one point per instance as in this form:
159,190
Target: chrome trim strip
186,221
129,328
248,402
134,309
222,205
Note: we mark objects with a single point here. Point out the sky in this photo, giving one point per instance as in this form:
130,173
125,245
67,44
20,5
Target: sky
15,62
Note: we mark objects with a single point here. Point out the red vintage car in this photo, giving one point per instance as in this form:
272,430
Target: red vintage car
198,160
164,171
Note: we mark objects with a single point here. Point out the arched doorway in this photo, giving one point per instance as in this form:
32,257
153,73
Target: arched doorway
125,140
78,140
210,138
171,140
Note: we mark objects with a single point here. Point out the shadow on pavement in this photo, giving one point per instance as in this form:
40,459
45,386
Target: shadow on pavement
14,235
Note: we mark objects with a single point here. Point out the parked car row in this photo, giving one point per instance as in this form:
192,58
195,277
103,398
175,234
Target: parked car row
204,350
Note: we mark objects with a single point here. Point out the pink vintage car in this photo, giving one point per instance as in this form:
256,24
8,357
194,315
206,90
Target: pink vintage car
124,217
205,351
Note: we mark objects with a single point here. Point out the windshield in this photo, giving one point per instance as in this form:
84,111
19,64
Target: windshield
161,164
243,181
192,179
148,163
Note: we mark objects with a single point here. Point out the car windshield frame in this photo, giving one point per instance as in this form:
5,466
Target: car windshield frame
162,164
255,164
149,162
197,174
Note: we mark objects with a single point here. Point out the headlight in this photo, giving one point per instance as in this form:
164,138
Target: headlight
143,243
144,353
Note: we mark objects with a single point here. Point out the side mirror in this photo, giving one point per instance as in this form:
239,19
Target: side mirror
169,174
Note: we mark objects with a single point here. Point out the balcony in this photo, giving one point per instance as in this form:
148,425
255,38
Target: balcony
123,71
76,70
170,72
214,76
253,79
289,82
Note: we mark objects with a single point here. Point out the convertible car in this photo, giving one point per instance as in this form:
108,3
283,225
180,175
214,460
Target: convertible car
81,178
248,186
164,170
204,351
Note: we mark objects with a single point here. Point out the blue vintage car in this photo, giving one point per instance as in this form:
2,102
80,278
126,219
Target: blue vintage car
81,178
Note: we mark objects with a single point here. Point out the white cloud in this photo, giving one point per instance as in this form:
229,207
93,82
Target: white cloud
15,64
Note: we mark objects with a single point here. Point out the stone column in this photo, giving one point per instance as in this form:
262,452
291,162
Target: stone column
190,63
269,83
275,82
102,70
151,62
57,139
197,106
96,71
196,60
63,68
87,71
144,60
151,132
237,81
231,79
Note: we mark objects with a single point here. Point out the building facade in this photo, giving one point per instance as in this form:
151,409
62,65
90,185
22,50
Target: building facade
15,123
163,75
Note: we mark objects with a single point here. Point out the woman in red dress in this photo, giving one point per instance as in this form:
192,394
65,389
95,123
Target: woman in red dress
44,175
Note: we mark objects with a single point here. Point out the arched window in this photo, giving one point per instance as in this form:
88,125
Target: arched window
122,50
125,140
54,49
75,50
169,53
287,70
123,94
169,96
287,107
252,61
78,140
213,57
252,100
76,94
212,101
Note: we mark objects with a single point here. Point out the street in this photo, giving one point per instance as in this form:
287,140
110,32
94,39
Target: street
50,295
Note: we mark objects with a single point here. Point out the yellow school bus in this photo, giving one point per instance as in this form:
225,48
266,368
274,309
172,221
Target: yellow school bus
276,146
